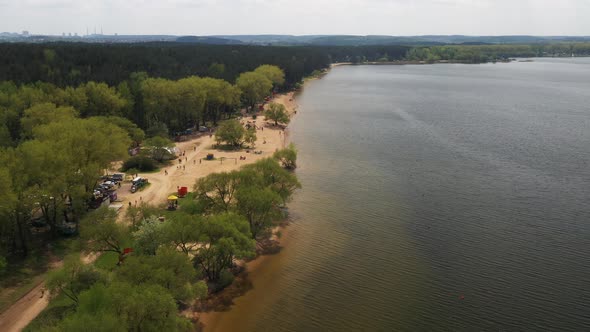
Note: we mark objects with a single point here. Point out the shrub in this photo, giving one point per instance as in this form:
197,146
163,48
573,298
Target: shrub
287,157
142,163
226,278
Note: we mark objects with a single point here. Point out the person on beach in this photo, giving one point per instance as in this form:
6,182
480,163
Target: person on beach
165,172
200,160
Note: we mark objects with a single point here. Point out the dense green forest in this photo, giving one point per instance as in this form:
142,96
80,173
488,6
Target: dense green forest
70,64
57,142
486,53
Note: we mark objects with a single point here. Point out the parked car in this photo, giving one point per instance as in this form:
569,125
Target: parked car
117,177
67,228
137,183
38,222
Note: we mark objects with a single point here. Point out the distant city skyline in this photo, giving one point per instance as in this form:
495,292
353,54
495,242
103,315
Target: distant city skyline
304,17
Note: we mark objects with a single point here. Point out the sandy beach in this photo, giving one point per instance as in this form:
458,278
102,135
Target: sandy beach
193,164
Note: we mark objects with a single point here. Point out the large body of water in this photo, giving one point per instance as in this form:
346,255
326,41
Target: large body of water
435,198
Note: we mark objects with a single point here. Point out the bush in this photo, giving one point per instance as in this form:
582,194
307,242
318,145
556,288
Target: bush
142,163
226,278
287,157
193,207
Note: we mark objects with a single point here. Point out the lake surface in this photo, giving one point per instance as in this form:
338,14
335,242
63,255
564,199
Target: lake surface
435,198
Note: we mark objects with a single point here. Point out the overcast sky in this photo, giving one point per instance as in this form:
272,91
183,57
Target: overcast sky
299,17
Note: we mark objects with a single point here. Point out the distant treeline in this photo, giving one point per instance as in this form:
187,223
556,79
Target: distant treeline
70,64
487,53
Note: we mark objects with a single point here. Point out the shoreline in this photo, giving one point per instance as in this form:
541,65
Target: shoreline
208,318
415,62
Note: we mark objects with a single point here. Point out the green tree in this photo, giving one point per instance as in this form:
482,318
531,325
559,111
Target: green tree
277,113
102,100
149,236
273,73
260,206
216,70
168,268
278,179
230,132
250,136
100,321
216,192
143,307
183,231
135,133
45,113
102,232
86,146
225,237
254,86
287,157
73,278
3,264
15,205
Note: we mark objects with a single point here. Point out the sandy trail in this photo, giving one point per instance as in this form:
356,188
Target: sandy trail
20,314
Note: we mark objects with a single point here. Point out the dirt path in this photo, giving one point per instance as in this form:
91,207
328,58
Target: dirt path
192,167
20,314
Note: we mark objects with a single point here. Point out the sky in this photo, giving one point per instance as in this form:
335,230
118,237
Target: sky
298,17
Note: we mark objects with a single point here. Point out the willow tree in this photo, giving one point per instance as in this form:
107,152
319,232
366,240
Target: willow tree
225,238
273,73
220,96
277,113
254,86
102,99
45,113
